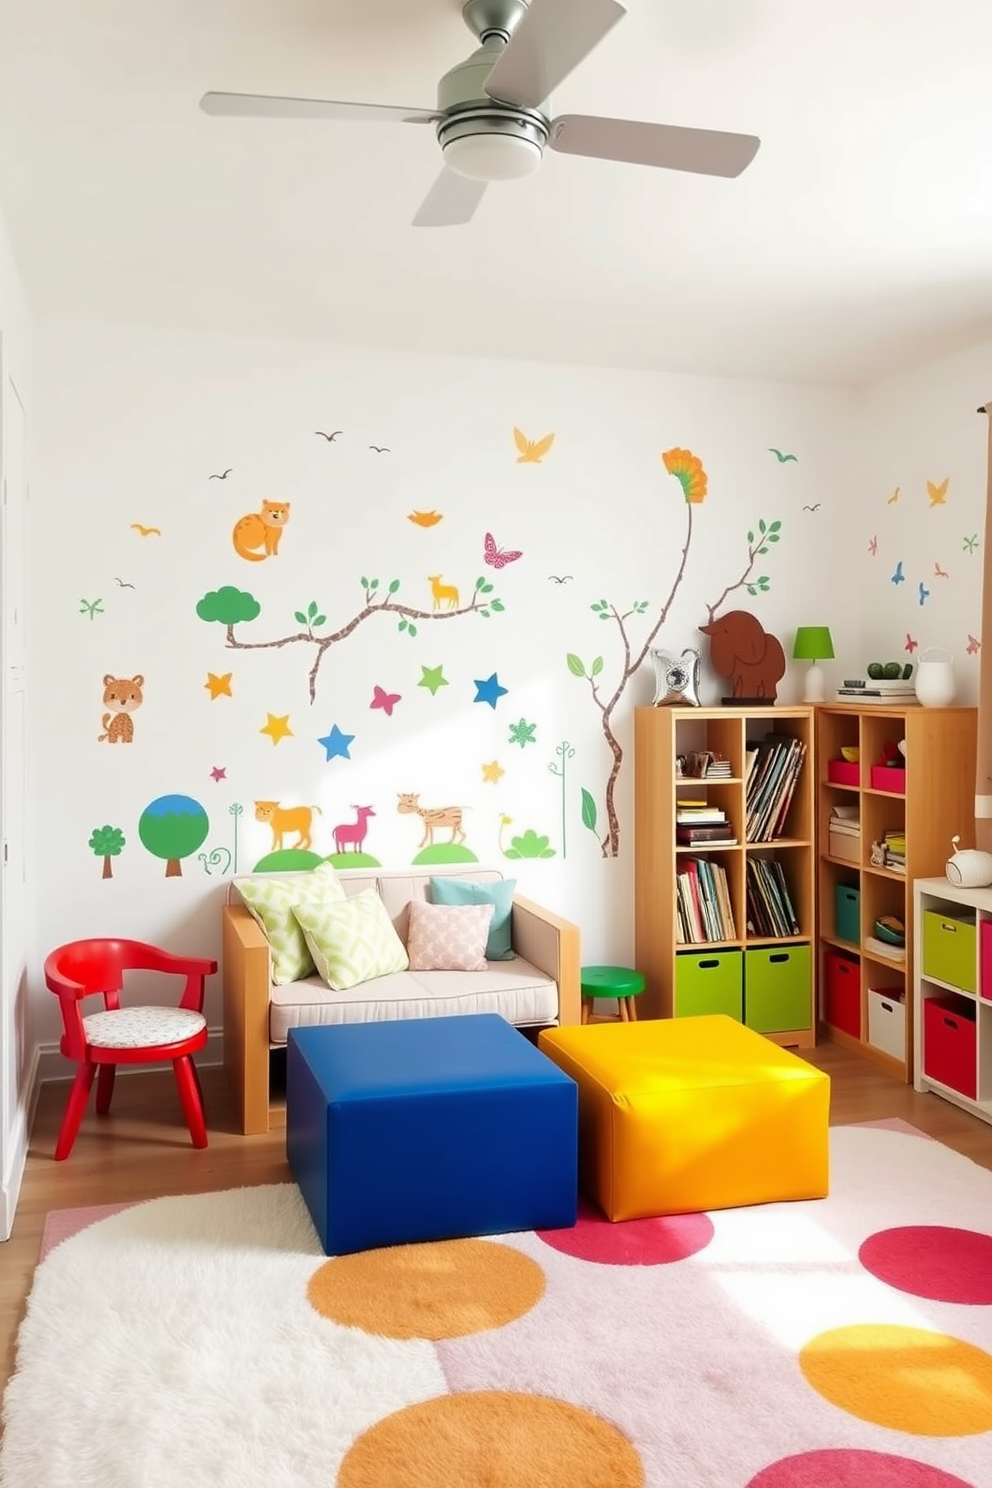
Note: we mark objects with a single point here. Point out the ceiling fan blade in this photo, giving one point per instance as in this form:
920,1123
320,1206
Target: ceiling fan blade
451,201
262,106
551,39
706,152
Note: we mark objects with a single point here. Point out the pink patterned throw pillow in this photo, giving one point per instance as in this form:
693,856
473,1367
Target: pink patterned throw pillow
448,937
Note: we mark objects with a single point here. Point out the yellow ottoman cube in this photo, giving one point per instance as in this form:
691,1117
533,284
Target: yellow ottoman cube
683,1114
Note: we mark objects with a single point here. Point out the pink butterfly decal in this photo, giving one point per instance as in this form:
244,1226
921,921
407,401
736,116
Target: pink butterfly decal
499,557
910,645
385,700
973,646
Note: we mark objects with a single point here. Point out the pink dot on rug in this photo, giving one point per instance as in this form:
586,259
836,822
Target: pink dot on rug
942,1264
851,1468
631,1242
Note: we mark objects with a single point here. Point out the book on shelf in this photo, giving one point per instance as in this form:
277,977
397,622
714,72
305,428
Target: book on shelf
882,948
773,770
699,815
702,903
770,911
723,835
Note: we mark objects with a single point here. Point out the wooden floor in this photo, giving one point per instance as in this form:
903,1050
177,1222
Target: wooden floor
142,1151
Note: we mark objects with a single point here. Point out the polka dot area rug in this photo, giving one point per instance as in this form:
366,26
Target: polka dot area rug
839,1343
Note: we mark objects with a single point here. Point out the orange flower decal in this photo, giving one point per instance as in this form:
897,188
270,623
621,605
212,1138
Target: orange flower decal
688,470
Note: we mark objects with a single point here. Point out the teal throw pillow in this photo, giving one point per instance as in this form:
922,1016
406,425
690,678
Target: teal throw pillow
499,894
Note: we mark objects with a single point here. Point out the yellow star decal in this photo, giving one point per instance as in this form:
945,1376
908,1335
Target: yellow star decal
492,772
218,686
277,727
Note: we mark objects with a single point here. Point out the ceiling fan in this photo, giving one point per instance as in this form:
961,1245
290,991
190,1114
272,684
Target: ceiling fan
493,117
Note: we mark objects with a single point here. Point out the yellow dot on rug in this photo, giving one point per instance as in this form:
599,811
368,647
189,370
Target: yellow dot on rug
908,1379
496,1437
444,1289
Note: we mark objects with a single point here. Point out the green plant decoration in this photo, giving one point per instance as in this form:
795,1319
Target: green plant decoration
565,752
218,857
530,845
229,607
590,812
235,810
757,546
107,843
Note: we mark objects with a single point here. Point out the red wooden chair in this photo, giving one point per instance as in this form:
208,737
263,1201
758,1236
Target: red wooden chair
128,1035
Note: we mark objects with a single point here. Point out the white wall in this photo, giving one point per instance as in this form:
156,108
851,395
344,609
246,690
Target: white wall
133,424
17,1043
917,428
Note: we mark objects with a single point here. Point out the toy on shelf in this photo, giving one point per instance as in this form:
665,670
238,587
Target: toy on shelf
744,652
968,868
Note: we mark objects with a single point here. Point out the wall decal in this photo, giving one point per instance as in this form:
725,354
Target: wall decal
223,475
565,752
432,679
974,646
434,819
228,606
780,457
122,583
741,650
911,644
283,819
757,546
898,577
385,700
235,811
292,860
219,772
937,491
443,593
218,686
380,449
329,437
108,843
532,451
122,696
146,531
560,578
924,594
277,727
425,519
216,857
971,544
590,811
336,744
940,573
873,546
173,827
489,690
528,845
492,773
891,501
499,557
91,607
353,832
523,733
261,529
813,508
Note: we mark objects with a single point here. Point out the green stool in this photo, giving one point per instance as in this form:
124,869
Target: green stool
619,982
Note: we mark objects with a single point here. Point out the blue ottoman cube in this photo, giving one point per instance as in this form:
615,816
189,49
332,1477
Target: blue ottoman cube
428,1129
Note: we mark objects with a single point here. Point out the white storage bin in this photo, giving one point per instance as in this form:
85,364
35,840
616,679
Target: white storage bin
887,1021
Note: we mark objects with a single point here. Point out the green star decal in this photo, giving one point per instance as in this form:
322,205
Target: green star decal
522,733
432,679
971,543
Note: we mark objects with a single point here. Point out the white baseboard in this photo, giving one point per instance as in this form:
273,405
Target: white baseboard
51,1065
10,1190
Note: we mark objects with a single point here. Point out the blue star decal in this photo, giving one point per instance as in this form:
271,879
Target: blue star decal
336,743
488,691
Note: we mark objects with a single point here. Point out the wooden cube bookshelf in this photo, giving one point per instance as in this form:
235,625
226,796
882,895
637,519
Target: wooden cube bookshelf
715,975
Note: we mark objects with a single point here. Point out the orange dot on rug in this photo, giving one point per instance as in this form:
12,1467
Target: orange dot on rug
496,1437
443,1289
908,1379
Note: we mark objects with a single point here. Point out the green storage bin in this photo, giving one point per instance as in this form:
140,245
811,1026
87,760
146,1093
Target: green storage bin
847,914
709,982
950,949
778,988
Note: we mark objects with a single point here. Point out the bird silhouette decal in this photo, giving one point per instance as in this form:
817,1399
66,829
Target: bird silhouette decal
498,557
898,577
781,457
940,573
425,519
532,451
561,578
911,644
380,449
812,508
894,497
146,531
329,437
938,492
223,475
924,594
873,546
974,645
122,583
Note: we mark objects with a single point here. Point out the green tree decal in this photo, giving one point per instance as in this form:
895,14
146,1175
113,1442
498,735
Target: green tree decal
758,545
107,843
173,827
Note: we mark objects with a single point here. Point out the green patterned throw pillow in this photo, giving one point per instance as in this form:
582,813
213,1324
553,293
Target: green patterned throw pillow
351,940
270,899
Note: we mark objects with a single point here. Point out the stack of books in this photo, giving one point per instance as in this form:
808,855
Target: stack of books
702,903
891,851
772,770
875,690
718,768
770,910
844,833
697,823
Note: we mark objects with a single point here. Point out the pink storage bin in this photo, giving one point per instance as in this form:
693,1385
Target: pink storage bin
985,960
843,772
885,779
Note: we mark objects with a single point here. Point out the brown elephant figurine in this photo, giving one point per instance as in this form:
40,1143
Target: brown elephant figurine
741,649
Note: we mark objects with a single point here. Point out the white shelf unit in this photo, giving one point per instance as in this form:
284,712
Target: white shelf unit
949,964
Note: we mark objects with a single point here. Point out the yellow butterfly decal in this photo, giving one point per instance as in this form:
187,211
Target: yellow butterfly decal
938,494
531,450
425,519
146,531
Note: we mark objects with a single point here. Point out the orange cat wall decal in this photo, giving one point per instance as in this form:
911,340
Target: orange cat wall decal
260,530
121,695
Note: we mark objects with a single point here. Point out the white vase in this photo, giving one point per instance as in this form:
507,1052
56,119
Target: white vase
935,678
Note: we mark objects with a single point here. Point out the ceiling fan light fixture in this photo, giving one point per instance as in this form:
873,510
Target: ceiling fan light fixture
492,157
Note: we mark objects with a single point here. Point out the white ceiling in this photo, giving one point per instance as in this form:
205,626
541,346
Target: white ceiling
856,244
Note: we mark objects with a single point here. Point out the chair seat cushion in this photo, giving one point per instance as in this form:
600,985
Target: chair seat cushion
141,1027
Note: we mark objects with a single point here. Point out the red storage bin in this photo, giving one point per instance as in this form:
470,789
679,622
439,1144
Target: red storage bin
843,772
888,778
985,961
950,1045
842,993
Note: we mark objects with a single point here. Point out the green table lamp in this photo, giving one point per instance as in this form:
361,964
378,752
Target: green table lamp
813,644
